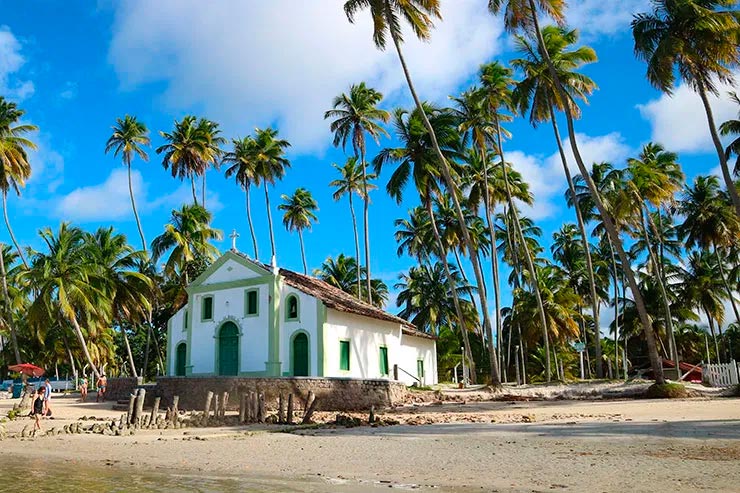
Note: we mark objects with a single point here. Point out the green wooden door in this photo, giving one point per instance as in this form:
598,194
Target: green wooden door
300,355
180,355
228,349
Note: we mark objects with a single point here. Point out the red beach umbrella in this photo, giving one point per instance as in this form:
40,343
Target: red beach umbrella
28,369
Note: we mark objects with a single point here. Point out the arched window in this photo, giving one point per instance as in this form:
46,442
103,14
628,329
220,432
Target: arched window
291,307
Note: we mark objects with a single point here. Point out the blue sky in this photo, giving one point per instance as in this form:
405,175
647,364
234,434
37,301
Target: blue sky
75,67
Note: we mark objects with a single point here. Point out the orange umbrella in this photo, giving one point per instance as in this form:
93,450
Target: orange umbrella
27,369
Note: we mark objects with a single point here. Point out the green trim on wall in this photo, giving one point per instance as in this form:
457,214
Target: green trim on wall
216,334
292,337
349,355
240,283
272,365
383,362
246,302
253,374
189,349
297,318
320,321
229,255
168,356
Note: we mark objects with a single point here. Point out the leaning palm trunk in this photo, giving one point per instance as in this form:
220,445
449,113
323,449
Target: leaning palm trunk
10,230
714,337
453,291
729,182
134,373
6,310
730,294
251,225
586,247
616,308
145,369
81,339
269,223
655,362
357,245
527,254
366,219
133,206
451,186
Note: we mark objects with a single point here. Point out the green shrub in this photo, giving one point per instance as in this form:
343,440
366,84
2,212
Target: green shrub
13,413
666,391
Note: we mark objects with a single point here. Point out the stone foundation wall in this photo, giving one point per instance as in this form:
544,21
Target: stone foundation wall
121,388
332,394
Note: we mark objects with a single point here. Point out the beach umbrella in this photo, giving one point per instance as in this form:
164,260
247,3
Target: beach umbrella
27,369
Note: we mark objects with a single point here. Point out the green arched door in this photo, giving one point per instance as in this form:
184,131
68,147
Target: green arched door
228,349
180,358
300,355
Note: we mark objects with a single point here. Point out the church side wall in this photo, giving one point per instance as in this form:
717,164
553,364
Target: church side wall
176,334
308,309
412,350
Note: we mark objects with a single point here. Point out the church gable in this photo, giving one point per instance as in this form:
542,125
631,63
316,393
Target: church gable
229,268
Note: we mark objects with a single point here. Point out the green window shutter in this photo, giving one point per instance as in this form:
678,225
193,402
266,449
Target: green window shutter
185,323
384,361
344,355
420,369
207,308
252,302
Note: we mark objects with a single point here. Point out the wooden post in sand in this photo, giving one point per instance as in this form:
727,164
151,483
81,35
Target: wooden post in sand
140,407
155,412
310,408
216,405
131,408
371,418
261,408
255,406
242,408
175,403
281,411
224,403
289,417
207,407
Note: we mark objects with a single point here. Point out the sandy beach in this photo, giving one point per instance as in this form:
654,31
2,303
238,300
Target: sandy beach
610,445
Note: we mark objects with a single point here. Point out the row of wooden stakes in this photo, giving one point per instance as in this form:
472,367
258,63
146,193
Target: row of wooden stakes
252,407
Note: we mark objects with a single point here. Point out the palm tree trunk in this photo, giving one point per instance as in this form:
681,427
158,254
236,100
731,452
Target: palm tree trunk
10,230
81,339
495,379
655,362
203,190
251,225
357,245
494,260
730,294
6,309
145,370
528,255
192,187
469,287
729,182
133,206
714,337
134,373
303,256
273,260
616,308
586,246
661,280
366,219
453,289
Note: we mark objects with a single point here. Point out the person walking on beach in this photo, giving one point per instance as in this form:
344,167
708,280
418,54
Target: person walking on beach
83,388
102,383
37,407
47,397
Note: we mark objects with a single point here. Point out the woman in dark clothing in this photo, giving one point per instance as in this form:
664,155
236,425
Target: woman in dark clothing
37,408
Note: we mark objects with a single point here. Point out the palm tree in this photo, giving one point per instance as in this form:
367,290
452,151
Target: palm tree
270,166
128,138
356,114
354,180
299,214
7,259
187,237
523,14
414,236
185,151
15,169
68,284
242,166
387,15
697,38
538,95
342,272
212,151
732,127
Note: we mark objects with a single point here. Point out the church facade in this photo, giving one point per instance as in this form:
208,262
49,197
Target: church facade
244,318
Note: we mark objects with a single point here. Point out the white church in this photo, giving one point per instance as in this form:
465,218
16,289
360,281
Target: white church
244,318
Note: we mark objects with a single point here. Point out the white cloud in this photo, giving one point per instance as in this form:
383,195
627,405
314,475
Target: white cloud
257,63
596,17
679,122
546,177
11,62
110,200
47,166
69,91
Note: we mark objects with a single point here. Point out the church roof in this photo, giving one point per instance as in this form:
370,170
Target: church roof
336,299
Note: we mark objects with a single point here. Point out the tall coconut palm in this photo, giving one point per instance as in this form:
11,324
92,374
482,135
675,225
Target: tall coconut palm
354,115
129,137
732,128
242,166
524,15
420,15
212,152
698,39
187,237
15,169
299,214
537,94
185,150
7,259
68,284
270,166
354,180
414,236
341,273
416,160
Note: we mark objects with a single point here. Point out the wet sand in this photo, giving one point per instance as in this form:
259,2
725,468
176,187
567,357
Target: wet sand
637,445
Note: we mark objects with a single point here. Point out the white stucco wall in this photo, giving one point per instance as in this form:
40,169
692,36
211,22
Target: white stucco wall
179,334
413,349
307,321
232,271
